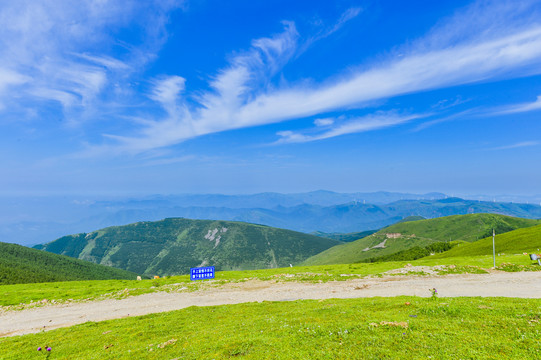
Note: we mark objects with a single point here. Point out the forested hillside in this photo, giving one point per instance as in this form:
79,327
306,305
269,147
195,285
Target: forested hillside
19,265
172,246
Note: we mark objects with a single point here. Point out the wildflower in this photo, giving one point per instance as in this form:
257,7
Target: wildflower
47,353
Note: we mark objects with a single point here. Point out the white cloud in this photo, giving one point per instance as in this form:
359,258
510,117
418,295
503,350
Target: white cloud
231,107
106,61
65,98
517,145
60,46
324,122
167,90
9,77
350,126
519,108
503,46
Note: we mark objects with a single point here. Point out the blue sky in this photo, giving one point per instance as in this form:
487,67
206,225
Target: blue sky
131,97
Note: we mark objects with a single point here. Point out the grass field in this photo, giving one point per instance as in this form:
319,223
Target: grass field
367,328
517,241
422,233
374,328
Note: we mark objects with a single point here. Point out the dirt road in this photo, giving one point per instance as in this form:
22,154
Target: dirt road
522,284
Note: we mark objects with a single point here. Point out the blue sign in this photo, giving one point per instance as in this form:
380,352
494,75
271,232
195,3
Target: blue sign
202,273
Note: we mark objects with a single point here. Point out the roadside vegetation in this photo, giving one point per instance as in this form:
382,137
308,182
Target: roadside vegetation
415,252
364,328
367,328
21,296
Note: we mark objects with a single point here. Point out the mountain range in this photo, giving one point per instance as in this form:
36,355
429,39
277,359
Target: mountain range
322,211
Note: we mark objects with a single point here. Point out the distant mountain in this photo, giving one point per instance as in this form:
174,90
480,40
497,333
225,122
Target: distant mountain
345,237
306,212
421,233
19,265
355,217
39,219
172,246
411,218
268,200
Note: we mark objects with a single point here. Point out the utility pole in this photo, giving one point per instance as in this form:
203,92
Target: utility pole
493,248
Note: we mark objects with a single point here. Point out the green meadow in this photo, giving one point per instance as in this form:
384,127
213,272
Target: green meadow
369,328
365,328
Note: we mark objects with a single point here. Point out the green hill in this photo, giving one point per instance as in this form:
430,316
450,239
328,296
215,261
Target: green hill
518,241
173,245
20,265
421,233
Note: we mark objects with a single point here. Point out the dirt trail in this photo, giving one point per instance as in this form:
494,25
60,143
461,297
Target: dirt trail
523,285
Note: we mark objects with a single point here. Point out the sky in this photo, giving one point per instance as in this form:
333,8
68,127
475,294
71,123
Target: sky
163,97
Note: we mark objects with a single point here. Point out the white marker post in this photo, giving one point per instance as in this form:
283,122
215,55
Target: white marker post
493,248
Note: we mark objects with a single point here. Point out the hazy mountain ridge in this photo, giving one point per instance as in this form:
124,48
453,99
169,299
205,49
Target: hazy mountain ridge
172,246
352,216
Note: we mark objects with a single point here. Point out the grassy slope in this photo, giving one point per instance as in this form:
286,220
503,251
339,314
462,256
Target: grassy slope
370,328
19,264
420,233
336,328
172,246
517,241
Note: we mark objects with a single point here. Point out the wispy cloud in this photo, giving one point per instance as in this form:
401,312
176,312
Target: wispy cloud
519,108
346,16
445,118
54,50
324,122
348,126
517,145
10,78
506,44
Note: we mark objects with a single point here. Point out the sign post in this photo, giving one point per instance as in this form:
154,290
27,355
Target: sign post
202,273
493,248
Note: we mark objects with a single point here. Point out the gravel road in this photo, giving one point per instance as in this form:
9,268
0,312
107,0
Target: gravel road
521,285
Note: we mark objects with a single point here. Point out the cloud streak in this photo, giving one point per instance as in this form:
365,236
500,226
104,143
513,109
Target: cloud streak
241,96
349,126
54,51
517,145
520,108
251,90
